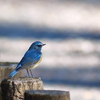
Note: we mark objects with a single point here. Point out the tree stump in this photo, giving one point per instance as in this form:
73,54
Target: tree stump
46,95
6,68
13,89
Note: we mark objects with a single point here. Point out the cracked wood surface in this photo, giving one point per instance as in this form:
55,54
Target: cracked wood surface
13,89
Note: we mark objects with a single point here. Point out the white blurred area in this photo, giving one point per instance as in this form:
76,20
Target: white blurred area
60,14
54,15
58,53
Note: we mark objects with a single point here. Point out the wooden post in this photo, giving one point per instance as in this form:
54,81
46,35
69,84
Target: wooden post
13,89
46,95
6,68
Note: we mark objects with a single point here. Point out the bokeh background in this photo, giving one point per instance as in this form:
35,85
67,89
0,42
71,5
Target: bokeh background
71,31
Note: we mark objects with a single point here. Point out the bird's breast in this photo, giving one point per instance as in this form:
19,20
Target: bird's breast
35,65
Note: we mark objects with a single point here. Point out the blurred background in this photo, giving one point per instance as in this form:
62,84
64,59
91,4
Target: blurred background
71,31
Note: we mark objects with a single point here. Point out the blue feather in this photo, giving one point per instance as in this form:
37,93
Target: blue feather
30,58
13,73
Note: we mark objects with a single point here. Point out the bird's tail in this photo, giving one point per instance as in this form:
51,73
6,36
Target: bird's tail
13,73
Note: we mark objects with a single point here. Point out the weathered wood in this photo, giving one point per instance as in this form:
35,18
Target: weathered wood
13,89
0,94
6,68
46,95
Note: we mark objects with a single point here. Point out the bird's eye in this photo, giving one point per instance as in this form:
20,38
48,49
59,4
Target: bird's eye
39,45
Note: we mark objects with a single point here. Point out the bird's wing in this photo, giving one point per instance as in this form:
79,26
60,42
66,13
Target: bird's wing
29,57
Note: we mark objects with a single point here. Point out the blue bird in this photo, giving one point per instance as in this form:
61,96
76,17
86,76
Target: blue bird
31,59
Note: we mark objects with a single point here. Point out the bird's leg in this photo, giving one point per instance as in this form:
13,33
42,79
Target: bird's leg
27,72
31,72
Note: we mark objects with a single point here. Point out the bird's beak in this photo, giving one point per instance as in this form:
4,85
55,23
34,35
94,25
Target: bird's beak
43,44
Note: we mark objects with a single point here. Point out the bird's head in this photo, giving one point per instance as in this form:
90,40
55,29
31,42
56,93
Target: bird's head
37,45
